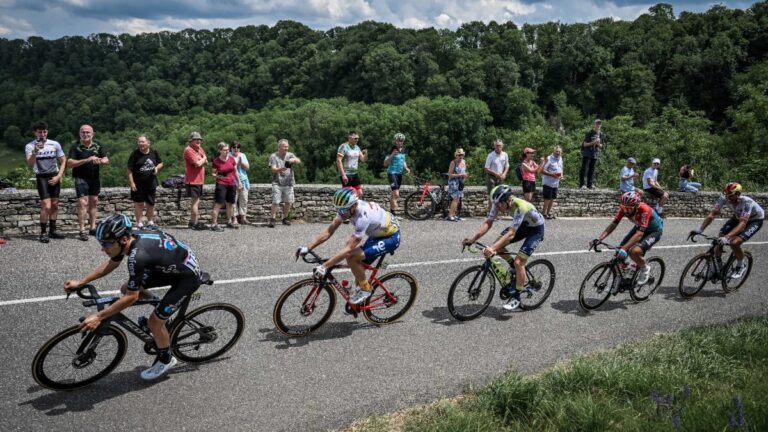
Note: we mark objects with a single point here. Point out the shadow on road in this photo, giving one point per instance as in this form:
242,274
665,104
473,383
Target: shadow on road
327,332
573,307
440,315
672,293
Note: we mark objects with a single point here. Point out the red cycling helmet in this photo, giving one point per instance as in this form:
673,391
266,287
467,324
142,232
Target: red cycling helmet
629,199
732,188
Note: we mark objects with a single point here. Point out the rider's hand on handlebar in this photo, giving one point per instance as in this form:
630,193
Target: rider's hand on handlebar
90,323
593,244
319,272
466,242
72,285
489,252
300,252
622,254
697,231
724,240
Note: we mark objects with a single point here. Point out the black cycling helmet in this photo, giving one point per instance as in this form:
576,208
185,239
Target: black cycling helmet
500,193
113,227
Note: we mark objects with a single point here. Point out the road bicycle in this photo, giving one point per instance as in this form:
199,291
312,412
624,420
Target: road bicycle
428,199
309,303
614,277
472,290
704,267
72,359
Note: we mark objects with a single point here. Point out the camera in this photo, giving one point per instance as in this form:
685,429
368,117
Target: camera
288,164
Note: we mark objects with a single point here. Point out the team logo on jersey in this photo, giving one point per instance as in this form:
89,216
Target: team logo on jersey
169,244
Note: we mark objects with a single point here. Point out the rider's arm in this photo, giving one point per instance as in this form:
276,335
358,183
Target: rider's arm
503,241
352,243
340,165
708,220
102,270
608,230
326,234
450,170
484,227
125,301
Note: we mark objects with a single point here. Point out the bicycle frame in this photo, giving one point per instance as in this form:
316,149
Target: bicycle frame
721,273
487,269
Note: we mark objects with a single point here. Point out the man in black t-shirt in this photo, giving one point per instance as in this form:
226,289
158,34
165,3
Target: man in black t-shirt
590,149
85,158
143,165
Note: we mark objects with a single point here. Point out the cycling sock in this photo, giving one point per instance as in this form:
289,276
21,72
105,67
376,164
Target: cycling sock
52,223
739,263
364,285
43,227
164,355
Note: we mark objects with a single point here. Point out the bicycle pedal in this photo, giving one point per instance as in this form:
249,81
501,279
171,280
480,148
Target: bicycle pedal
350,309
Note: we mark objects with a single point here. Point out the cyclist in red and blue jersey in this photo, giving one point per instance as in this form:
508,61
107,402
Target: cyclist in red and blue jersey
647,231
155,259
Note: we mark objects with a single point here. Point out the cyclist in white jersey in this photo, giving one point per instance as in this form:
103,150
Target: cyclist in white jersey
368,218
746,221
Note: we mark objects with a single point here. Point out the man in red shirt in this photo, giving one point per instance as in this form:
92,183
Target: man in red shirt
194,176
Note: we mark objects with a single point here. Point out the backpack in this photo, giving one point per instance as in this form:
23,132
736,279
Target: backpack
175,182
519,171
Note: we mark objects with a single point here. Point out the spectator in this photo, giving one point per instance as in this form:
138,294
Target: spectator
652,187
686,174
143,165
457,175
42,155
194,176
551,174
224,169
627,176
496,167
529,168
347,157
241,203
395,163
283,180
85,158
590,150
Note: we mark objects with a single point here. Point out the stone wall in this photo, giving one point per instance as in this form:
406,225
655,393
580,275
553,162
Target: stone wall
19,212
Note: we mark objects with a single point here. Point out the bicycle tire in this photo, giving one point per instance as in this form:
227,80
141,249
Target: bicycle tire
42,362
477,275
417,211
195,332
279,314
638,293
725,281
601,288
697,268
539,288
380,300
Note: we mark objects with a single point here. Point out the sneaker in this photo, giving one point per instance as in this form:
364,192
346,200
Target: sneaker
217,228
738,272
583,188
286,221
232,226
643,275
92,231
158,369
83,236
44,238
592,188
513,301
359,296
199,226
140,225
56,235
271,223
451,218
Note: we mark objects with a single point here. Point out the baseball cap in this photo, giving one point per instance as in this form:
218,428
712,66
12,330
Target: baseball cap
657,161
598,121
194,136
631,160
528,150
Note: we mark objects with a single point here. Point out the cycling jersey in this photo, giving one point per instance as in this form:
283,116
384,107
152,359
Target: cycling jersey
352,155
371,220
522,212
158,257
745,208
645,218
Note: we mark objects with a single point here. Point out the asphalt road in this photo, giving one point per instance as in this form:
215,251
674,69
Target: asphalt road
348,369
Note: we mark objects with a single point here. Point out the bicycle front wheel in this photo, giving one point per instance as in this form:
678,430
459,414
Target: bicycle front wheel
417,209
596,287
392,299
541,280
303,307
731,284
72,359
695,275
207,332
471,293
641,293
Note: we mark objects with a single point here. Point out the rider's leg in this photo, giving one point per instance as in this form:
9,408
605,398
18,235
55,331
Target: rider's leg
520,272
637,255
737,250
355,261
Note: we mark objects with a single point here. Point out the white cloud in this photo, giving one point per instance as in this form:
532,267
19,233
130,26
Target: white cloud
136,25
15,28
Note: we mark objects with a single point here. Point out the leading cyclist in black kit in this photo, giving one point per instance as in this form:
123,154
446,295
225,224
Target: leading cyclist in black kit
155,259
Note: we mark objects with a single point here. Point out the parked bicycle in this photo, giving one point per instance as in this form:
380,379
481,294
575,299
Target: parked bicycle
704,267
472,290
308,304
614,277
428,199
72,359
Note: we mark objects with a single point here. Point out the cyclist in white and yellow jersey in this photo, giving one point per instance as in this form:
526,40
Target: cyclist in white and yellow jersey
527,223
368,219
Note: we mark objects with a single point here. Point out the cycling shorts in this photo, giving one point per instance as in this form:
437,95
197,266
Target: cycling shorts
181,289
749,231
376,247
646,242
532,235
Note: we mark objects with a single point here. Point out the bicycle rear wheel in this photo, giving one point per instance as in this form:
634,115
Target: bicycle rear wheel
303,307
541,280
597,285
207,332
730,284
392,299
695,275
72,360
643,292
415,209
471,293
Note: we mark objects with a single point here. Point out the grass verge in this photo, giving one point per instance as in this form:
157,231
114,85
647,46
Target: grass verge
704,379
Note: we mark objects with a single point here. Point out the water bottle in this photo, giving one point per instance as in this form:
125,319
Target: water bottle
143,323
500,268
345,284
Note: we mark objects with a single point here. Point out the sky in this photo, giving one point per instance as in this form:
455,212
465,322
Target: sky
53,19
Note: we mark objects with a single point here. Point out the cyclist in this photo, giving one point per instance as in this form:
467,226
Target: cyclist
647,231
368,219
746,221
154,259
527,224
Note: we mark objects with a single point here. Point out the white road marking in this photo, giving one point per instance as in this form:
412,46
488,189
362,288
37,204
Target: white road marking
306,274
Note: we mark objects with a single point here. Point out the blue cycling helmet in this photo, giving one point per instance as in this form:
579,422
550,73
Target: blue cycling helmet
113,227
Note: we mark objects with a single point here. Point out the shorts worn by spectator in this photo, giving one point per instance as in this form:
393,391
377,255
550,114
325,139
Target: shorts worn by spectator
396,165
224,170
195,160
143,165
551,174
282,164
44,157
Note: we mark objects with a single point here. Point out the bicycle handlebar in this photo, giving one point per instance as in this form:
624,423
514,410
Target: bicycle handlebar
596,246
79,291
692,237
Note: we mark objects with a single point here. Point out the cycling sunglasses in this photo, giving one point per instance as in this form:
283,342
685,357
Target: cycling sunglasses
107,244
343,211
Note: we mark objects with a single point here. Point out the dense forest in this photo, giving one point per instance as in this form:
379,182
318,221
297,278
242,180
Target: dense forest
686,88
